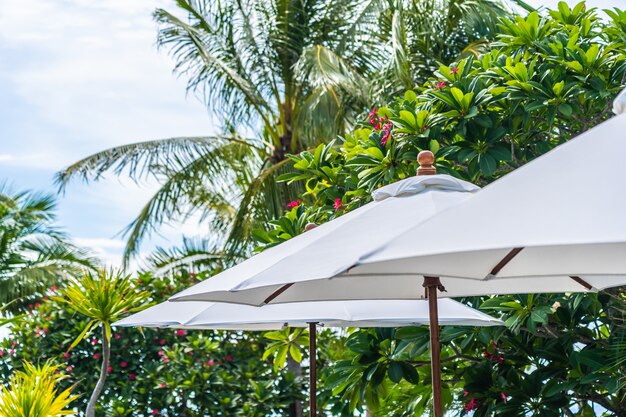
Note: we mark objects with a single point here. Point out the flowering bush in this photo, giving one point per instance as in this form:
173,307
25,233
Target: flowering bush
160,372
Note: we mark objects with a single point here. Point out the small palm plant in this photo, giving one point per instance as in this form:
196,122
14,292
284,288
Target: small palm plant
104,298
33,392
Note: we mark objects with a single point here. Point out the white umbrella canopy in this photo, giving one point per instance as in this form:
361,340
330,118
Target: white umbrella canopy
554,225
333,247
359,313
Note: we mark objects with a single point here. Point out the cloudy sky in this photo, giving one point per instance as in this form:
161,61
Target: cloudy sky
78,76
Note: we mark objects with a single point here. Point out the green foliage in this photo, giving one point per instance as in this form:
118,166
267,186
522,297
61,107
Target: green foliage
287,342
193,373
103,298
34,393
33,253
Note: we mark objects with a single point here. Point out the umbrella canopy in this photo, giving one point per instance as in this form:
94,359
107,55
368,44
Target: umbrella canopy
307,256
554,225
361,313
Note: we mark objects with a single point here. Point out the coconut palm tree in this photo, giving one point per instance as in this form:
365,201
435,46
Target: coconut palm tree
34,254
280,76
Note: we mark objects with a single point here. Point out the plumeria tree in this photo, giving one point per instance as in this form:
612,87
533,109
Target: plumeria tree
546,79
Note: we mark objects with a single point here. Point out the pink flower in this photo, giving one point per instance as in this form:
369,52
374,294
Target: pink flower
385,138
373,113
162,385
118,336
66,355
131,376
155,412
37,305
229,358
162,342
161,353
12,352
378,126
14,343
30,306
211,362
440,85
471,405
500,359
123,364
165,359
69,368
96,356
109,369
180,332
465,393
53,288
454,70
337,204
293,204
56,371
2,353
503,395
94,341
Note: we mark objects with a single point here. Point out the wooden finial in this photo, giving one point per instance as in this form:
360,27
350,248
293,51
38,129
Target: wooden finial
309,226
426,159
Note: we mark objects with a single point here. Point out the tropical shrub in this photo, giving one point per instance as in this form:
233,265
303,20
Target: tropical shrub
33,392
155,371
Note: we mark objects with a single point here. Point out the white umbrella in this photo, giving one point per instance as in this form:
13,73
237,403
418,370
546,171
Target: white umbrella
553,225
360,313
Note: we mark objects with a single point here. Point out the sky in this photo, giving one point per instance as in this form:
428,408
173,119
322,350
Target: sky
79,76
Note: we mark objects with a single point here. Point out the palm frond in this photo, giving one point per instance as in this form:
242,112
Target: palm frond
193,255
139,159
205,185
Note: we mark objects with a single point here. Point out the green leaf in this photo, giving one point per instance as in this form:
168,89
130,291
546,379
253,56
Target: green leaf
395,372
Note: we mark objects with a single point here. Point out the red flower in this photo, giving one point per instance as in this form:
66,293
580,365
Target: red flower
377,127
337,204
12,352
211,362
162,385
66,355
96,356
118,336
229,358
161,353
293,204
165,359
162,342
109,369
69,368
471,405
500,359
123,364
373,113
155,412
1,353
440,85
465,393
385,138
454,70
14,343
37,305
503,395
131,376
53,288
180,332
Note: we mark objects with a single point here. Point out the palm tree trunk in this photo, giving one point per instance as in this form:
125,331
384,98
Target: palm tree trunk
295,408
106,352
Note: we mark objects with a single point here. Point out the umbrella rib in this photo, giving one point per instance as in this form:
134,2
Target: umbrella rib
277,293
581,282
509,256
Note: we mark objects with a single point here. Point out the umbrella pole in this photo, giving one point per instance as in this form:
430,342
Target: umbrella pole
432,284
312,369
